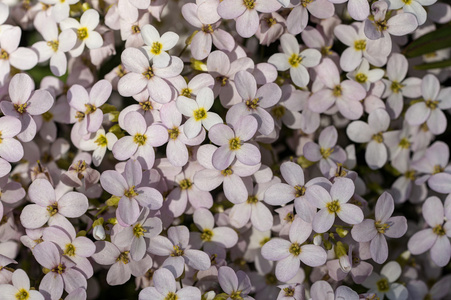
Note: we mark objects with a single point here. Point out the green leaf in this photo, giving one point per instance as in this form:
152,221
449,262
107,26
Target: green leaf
434,65
430,42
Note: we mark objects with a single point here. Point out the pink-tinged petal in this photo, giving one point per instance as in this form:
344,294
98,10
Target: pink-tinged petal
227,279
124,148
223,40
379,120
313,255
234,189
359,9
41,192
106,253
160,245
205,98
437,122
342,190
145,156
417,114
58,63
132,173
113,182
297,20
208,180
299,231
67,40
94,120
322,290
192,128
350,109
134,61
240,214
328,73
231,9
247,23
128,210
384,207
280,60
350,213
159,90
150,293
318,196
201,45
85,247
276,249
157,135
221,134
304,209
34,216
365,231
94,41
300,76
23,58
177,153
289,44
9,126
11,150
379,249
433,211
279,194
164,281
287,268
131,84
397,228
20,88
267,6
321,101
73,205
359,132
207,12
269,94
218,63
441,251
402,24
376,155
47,254
422,241
77,97
440,183
197,259
323,220
225,236
246,85
223,157
73,279
292,173
261,217
149,197
248,154
118,274
90,19
100,92
246,128
186,106
51,286
350,59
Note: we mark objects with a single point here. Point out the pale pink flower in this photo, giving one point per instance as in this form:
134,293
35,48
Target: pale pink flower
254,102
299,16
50,206
246,13
87,106
26,103
358,9
86,35
334,203
234,283
346,94
55,44
165,288
62,275
384,284
156,47
139,145
132,191
321,290
295,60
60,9
176,248
436,237
289,254
198,112
20,288
142,75
374,231
99,142
11,150
414,7
12,55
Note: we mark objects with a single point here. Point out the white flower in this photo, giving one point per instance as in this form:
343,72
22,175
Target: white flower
157,46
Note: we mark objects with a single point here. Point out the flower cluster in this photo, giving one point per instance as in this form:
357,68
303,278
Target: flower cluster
224,150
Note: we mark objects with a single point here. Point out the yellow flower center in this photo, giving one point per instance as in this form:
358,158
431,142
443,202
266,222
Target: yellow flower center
82,33
130,192
235,143
185,184
378,137
21,108
361,78
252,104
148,73
410,174
207,28
101,141
407,2
333,207
70,250
173,133
222,79
278,111
136,29
3,54
250,4
299,191
252,200
383,285
22,294
177,251
438,169
270,21
295,60
289,292
439,230
171,296
206,235
52,209
432,104
59,269
140,139
226,172
156,48
404,143
123,257
337,91
186,92
200,114
381,227
295,249
47,116
236,295
396,87
138,230
54,45
325,153
146,106
360,45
